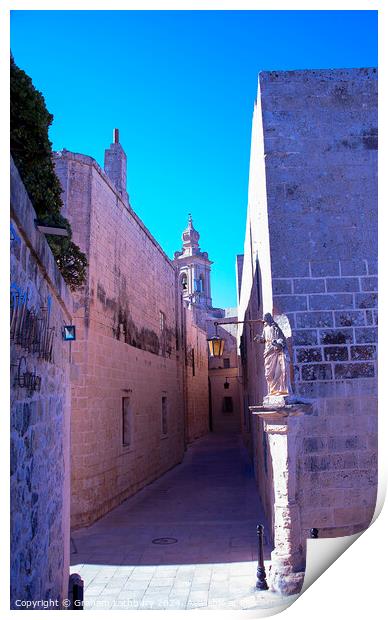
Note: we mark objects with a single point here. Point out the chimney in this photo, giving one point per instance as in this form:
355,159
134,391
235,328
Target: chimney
115,165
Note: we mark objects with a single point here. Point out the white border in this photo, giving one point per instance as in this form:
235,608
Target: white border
355,585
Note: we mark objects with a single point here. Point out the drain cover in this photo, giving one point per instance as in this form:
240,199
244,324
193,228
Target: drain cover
164,541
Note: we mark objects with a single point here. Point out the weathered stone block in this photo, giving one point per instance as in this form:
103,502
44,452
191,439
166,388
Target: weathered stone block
317,463
342,407
366,334
309,285
341,301
372,441
315,390
347,516
324,268
281,286
335,353
342,285
282,267
365,352
304,337
348,318
314,444
354,371
314,319
336,336
290,303
372,266
349,479
308,355
354,267
316,372
347,442
366,300
318,517
369,284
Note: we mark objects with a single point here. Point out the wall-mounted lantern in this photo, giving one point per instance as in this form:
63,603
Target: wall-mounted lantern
68,333
216,344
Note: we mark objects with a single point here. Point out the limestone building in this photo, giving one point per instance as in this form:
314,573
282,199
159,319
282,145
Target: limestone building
224,377
311,254
194,269
133,379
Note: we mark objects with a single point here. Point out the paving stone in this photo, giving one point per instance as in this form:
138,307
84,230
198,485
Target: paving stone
158,591
111,591
154,603
219,577
182,583
161,581
165,573
176,604
136,585
95,590
90,601
178,591
199,586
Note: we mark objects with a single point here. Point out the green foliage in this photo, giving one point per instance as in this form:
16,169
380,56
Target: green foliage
32,154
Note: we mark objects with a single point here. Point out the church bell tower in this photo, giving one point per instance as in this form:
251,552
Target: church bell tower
194,270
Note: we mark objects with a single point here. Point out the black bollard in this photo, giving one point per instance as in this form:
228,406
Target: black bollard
261,583
76,592
313,532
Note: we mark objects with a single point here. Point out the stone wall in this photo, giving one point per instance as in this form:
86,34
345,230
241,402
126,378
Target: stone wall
311,253
40,412
337,465
320,143
197,388
224,371
130,349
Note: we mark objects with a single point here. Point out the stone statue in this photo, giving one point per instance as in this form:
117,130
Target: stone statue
276,358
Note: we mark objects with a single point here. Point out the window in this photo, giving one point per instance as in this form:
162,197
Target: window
227,404
184,281
226,362
126,420
164,415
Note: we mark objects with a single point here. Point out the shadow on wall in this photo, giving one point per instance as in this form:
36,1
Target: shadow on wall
254,389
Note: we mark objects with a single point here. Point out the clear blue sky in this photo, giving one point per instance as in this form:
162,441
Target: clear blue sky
180,86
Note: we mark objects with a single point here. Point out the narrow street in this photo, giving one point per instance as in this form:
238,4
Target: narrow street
208,507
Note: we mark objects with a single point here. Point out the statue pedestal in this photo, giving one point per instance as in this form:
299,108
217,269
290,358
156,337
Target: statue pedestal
283,424
277,402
